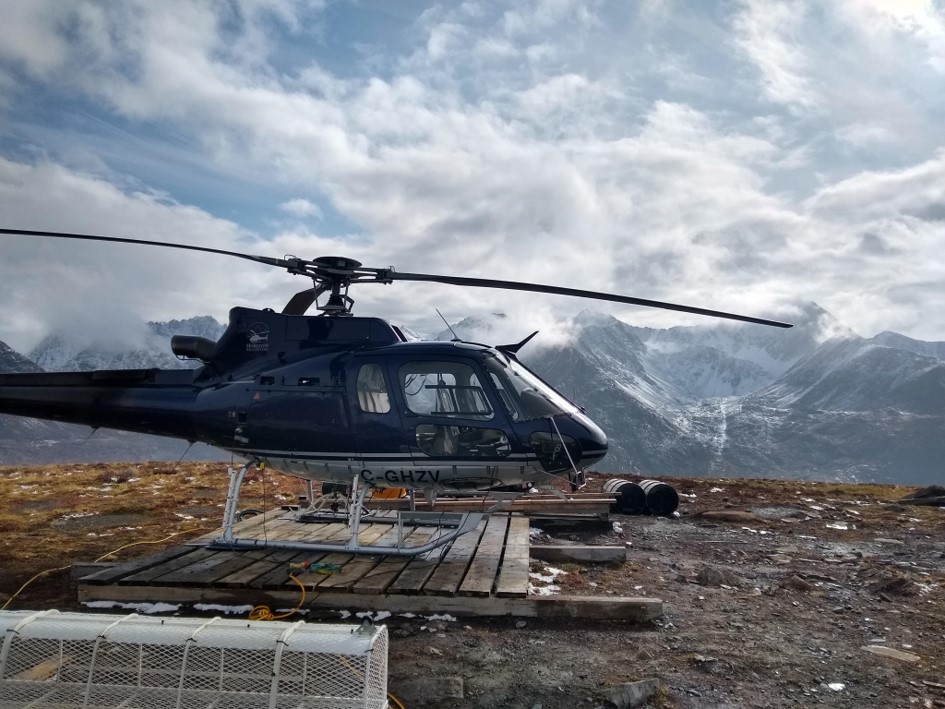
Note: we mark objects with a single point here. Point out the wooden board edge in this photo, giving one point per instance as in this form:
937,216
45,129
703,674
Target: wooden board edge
629,609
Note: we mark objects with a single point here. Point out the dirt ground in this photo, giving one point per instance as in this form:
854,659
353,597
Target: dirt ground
770,598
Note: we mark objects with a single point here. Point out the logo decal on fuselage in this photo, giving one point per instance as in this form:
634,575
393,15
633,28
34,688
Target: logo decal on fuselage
257,337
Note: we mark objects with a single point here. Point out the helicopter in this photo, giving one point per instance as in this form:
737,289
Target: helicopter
343,399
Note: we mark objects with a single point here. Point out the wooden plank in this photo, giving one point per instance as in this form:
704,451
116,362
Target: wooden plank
242,527
278,576
339,533
198,572
449,574
632,609
147,575
313,580
481,574
513,573
280,573
417,572
580,554
360,565
316,532
268,563
386,572
299,531
236,562
116,572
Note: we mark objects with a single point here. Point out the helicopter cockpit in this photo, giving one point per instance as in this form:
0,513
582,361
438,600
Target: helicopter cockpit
487,406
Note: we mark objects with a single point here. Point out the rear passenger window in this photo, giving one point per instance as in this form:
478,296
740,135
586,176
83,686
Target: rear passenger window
372,390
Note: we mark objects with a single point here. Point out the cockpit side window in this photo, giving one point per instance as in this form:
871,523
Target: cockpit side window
524,395
372,389
448,389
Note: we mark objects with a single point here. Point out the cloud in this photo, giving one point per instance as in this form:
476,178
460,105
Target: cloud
767,33
53,284
553,142
301,208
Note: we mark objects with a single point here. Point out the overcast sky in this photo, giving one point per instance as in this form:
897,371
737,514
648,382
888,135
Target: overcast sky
733,155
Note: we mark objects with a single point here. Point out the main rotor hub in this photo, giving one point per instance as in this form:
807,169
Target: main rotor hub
335,266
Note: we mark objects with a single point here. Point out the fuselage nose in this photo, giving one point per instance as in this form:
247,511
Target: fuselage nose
593,441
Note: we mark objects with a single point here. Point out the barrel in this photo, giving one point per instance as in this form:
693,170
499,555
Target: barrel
631,500
661,499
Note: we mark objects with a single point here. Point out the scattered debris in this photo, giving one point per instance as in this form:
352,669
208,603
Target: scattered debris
884,540
633,694
891,652
714,576
895,585
796,583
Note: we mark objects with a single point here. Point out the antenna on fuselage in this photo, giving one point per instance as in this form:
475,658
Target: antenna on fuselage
455,336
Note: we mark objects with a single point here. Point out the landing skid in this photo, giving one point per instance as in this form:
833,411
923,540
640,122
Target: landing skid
458,523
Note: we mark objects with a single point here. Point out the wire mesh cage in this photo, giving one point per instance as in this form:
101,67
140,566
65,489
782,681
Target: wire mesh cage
68,660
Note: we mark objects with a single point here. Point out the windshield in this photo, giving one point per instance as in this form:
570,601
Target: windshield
523,394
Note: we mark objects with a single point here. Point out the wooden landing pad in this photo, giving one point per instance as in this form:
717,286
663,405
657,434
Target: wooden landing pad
484,572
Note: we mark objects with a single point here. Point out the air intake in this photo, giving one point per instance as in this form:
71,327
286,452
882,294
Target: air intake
84,660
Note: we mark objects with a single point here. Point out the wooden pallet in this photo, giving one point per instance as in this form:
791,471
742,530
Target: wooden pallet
484,572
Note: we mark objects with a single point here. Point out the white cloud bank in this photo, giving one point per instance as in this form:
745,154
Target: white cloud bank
547,143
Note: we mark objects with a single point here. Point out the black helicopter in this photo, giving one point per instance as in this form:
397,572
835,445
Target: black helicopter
340,398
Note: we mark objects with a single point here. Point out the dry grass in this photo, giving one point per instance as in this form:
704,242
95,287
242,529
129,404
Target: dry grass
52,516
55,515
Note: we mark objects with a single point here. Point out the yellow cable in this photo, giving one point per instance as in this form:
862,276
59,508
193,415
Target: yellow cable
63,568
134,544
263,612
41,573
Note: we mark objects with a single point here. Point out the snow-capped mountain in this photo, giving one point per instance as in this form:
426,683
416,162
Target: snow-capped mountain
12,361
816,401
15,428
26,440
901,342
60,353
851,374
820,402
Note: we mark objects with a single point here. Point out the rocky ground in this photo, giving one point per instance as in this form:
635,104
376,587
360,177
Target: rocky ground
777,593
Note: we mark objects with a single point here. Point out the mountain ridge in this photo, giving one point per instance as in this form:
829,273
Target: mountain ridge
816,401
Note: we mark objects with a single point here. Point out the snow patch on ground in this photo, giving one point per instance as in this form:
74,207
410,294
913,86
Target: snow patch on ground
238,610
374,616
543,590
146,608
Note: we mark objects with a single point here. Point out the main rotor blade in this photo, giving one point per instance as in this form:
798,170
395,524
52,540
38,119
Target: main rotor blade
558,290
118,240
300,302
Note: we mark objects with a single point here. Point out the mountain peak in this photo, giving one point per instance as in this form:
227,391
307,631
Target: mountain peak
13,362
59,352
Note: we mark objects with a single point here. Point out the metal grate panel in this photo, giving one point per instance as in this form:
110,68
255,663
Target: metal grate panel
76,660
